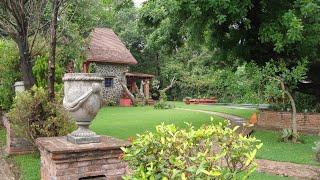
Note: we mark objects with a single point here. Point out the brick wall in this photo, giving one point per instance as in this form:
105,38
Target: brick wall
308,123
15,144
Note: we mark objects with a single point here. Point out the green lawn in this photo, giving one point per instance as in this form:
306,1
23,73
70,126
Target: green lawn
2,136
272,149
123,122
29,165
262,176
244,113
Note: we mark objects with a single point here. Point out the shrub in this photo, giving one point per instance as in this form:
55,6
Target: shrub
33,116
111,103
9,72
316,150
288,135
140,104
163,105
211,152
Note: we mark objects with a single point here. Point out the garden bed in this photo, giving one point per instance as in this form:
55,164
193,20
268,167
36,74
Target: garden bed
202,101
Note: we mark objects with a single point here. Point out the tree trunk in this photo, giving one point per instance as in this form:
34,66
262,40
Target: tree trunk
158,64
130,95
25,60
52,52
294,114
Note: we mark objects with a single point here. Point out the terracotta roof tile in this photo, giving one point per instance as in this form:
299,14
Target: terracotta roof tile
105,46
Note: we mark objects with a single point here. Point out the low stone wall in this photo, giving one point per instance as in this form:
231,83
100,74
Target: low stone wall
307,123
15,144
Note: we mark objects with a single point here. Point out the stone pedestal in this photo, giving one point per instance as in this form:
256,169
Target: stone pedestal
63,160
19,86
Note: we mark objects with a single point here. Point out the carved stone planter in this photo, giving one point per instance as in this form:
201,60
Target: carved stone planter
82,99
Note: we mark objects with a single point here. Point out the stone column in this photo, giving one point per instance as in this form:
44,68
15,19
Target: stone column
146,88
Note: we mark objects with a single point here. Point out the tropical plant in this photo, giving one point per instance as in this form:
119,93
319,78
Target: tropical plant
288,135
210,152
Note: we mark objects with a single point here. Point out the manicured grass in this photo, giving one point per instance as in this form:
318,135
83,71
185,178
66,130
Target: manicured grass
123,122
29,165
262,176
3,136
273,149
244,113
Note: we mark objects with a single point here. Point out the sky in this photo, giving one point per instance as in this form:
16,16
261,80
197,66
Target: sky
138,2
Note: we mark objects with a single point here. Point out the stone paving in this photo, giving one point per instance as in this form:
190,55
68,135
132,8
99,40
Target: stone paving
5,168
226,116
234,120
298,171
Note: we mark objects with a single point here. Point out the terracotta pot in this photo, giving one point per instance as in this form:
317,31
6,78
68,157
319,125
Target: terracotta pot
187,102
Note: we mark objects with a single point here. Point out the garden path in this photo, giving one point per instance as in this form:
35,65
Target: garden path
227,116
6,172
286,169
298,171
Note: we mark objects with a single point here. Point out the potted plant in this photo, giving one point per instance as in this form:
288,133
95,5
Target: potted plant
187,100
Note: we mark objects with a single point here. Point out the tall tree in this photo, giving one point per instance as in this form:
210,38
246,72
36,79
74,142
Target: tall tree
257,30
53,44
16,18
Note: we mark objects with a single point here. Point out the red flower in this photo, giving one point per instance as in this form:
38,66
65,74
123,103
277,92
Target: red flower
188,174
120,156
130,139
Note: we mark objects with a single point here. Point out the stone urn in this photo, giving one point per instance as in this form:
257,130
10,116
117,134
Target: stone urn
82,99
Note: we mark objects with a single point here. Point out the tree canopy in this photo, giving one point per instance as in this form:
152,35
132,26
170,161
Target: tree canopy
244,30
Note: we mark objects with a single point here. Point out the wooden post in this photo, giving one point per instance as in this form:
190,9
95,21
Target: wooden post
146,88
133,86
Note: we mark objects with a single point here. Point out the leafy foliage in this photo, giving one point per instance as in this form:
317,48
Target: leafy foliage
227,85
276,73
32,115
212,151
307,103
9,72
239,31
163,105
40,70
